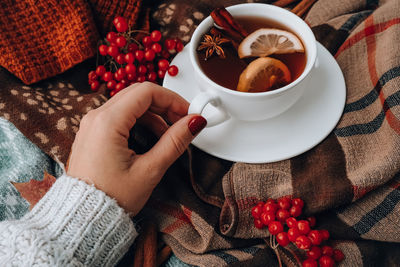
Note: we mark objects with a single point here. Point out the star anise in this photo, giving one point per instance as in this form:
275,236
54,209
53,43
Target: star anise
213,44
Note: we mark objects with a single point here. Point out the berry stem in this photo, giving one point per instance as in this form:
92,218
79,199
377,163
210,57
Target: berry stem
274,246
136,41
294,255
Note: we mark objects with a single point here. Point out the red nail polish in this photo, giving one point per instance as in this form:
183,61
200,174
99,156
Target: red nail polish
196,124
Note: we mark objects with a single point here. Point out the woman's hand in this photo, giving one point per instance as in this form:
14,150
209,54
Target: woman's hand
100,153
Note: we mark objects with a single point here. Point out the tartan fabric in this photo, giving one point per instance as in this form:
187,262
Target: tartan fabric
202,207
350,178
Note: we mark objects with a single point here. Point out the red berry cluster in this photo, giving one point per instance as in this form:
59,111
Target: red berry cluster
281,218
128,61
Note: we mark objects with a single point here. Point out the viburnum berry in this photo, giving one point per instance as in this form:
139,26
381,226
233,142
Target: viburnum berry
112,93
314,253
120,24
170,45
293,233
284,203
338,255
298,202
270,201
270,207
111,84
111,36
113,50
120,58
142,69
258,224
327,251
121,73
315,237
116,77
139,55
275,227
324,234
131,76
130,69
156,47
149,55
132,47
129,58
141,79
165,54
303,242
295,210
163,64
155,36
125,82
120,86
256,210
103,50
312,221
291,222
260,203
120,41
282,239
147,41
94,85
267,217
149,66
152,76
92,76
309,263
173,70
100,70
303,226
161,74
326,261
282,215
107,76
179,46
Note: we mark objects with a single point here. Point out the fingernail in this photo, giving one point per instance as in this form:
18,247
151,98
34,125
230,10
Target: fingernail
196,124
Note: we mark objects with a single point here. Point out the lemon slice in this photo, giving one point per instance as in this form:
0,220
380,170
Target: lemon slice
266,41
264,74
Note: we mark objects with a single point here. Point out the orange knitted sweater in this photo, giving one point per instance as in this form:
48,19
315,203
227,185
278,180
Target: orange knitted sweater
42,38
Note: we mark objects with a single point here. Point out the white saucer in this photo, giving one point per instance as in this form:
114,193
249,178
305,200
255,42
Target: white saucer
295,131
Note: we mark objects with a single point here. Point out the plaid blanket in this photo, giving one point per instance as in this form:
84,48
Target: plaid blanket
350,181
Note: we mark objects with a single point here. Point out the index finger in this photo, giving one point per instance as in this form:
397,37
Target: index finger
136,101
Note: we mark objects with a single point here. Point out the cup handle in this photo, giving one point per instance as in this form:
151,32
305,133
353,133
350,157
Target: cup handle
200,101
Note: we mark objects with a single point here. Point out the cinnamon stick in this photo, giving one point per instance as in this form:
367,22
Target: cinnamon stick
138,260
283,3
236,26
146,247
303,7
150,246
163,255
224,25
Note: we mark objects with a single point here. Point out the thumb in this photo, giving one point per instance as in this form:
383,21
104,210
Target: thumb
175,141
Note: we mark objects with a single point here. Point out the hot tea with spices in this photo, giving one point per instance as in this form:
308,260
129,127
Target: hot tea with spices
250,54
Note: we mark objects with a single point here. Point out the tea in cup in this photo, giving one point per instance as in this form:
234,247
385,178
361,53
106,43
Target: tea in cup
251,61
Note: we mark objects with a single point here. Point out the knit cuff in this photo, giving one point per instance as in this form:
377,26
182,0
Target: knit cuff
84,221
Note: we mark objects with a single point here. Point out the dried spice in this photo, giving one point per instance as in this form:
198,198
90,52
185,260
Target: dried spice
213,44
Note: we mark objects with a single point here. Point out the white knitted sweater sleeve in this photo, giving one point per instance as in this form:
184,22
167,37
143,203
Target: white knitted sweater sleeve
74,224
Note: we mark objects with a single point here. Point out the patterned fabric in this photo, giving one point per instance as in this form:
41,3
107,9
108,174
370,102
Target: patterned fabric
39,39
355,168
20,161
350,180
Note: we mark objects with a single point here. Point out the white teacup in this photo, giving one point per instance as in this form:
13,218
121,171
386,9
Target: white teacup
251,106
